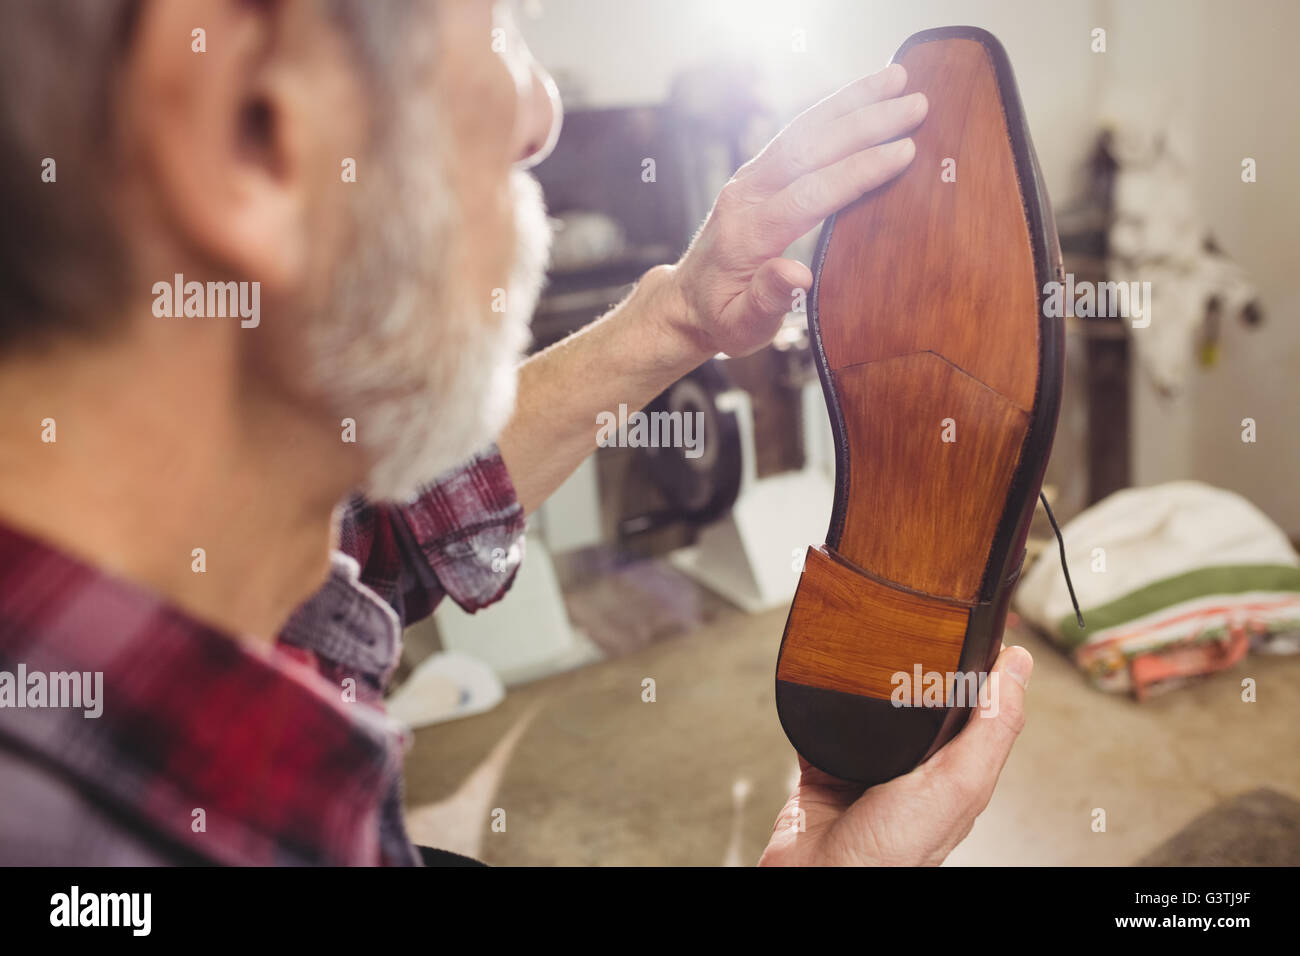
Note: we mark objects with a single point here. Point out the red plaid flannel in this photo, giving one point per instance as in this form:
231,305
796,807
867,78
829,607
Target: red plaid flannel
208,750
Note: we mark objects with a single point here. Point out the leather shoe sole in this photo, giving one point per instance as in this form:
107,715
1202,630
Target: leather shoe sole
942,376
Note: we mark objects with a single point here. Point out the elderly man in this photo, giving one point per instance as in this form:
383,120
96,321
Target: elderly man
263,258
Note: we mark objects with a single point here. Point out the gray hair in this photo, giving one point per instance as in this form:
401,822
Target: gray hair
62,264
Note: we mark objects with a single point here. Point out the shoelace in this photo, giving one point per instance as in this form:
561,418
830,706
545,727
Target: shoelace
1060,543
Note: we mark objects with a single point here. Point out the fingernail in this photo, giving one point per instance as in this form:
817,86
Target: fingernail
1020,664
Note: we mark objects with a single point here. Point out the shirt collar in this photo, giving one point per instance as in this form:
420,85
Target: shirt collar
245,756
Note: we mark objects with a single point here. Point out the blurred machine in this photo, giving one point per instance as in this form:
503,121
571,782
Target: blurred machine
750,532
763,490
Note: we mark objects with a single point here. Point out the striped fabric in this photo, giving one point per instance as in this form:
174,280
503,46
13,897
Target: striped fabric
1174,581
1211,606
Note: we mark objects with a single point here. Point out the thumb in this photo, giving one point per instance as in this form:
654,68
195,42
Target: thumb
977,754
771,292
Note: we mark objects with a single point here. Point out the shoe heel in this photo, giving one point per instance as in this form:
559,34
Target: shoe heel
847,639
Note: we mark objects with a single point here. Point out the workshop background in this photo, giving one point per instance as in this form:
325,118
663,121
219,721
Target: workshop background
617,707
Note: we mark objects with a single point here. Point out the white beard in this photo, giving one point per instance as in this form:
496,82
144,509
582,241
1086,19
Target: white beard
424,366
464,407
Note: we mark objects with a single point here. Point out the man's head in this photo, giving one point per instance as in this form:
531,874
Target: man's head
359,160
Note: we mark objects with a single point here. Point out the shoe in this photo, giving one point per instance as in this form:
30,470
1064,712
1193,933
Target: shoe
942,375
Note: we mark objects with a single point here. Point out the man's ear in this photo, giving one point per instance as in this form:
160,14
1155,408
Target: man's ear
217,93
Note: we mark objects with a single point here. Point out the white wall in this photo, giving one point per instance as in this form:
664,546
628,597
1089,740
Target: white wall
1224,71
627,51
1228,74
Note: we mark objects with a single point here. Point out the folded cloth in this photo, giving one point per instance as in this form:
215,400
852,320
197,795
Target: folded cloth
1174,580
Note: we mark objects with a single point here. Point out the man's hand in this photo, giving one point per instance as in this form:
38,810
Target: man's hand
734,286
728,293
916,819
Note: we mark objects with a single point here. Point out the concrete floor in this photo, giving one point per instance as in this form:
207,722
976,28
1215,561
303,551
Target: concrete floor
577,769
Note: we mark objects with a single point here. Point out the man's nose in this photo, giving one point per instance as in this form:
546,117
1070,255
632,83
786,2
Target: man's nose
539,118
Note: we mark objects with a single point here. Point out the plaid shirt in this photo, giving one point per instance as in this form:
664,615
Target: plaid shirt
212,751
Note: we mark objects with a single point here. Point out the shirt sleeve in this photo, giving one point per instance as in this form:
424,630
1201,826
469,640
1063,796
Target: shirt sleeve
462,536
